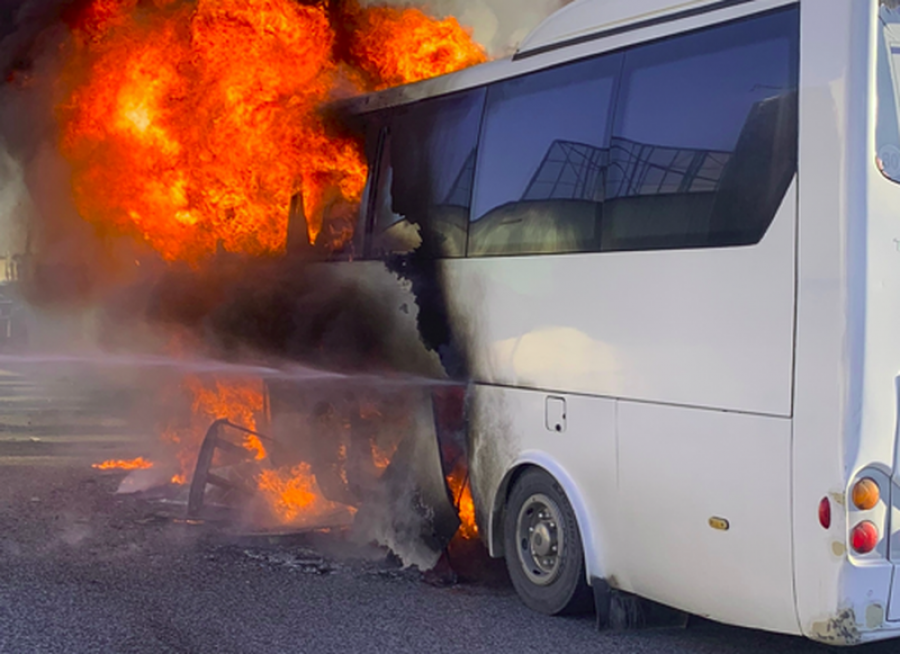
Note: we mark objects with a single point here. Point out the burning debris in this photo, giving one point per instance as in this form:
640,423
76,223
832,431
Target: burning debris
380,456
244,473
198,404
139,463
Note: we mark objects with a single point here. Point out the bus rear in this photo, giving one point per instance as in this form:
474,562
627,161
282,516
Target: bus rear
847,355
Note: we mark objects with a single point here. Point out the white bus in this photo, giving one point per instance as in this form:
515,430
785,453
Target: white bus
662,245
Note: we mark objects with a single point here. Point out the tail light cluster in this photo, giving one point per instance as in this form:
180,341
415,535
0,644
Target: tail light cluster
868,514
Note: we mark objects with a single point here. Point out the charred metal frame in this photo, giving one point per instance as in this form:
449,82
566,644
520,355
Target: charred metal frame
203,472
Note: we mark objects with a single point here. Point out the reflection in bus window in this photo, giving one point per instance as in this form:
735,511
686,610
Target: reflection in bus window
705,141
542,155
425,178
703,148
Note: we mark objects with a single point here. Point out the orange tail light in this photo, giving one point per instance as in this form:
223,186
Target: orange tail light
866,494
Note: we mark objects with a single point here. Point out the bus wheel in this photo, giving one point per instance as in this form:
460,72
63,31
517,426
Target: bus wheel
543,548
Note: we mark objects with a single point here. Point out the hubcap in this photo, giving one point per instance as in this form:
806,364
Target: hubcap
540,539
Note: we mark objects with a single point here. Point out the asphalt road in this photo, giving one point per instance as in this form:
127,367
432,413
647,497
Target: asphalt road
85,570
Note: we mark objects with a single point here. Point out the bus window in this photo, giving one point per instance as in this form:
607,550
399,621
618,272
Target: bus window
705,139
424,183
542,158
702,151
888,130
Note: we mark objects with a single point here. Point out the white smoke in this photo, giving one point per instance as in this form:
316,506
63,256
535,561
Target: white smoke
15,207
499,25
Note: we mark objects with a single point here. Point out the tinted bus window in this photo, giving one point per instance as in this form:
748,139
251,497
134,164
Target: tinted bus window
542,157
705,139
702,150
424,184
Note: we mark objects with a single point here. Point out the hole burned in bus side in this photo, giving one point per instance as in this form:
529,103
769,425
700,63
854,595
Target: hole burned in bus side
420,207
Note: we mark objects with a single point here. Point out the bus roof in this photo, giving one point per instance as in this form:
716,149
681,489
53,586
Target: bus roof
588,19
578,22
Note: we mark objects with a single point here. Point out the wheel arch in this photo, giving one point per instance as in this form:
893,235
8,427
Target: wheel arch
582,516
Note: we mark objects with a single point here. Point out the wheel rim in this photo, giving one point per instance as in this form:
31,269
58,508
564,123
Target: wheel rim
540,539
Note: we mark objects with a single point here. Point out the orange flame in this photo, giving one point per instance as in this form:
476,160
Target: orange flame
191,125
293,494
139,463
253,444
458,482
381,458
399,46
239,401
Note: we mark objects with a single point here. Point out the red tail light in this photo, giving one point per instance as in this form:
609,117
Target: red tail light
864,537
825,513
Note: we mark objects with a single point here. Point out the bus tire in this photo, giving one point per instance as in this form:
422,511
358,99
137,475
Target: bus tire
543,549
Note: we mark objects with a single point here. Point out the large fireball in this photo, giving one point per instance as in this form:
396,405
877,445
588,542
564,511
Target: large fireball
190,125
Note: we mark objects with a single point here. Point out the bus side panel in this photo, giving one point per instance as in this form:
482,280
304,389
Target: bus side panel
706,496
510,428
707,327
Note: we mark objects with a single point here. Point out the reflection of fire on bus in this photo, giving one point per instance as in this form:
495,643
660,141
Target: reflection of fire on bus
655,250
